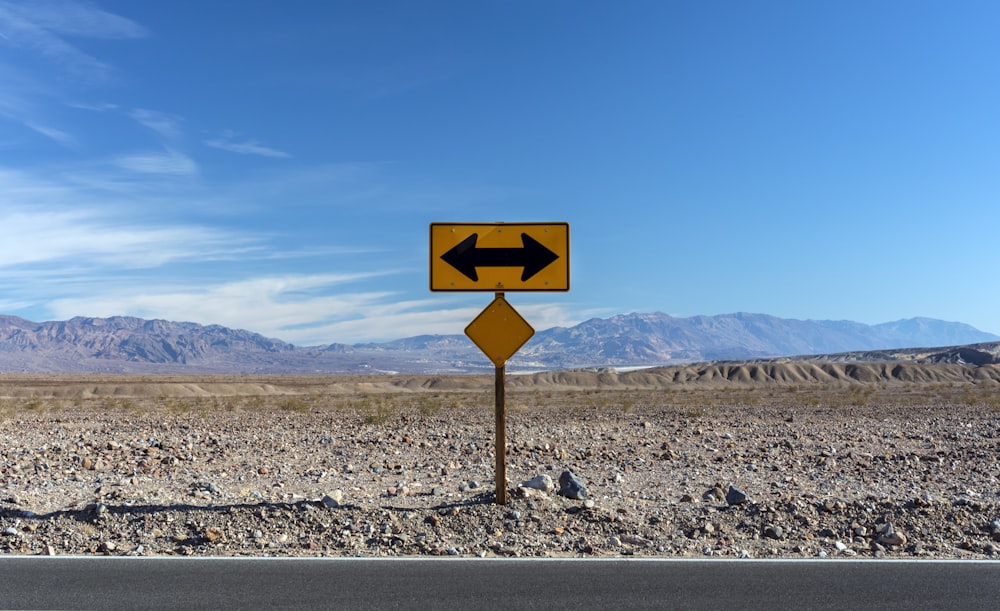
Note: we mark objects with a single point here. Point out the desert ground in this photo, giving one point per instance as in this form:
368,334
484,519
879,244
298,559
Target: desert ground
730,460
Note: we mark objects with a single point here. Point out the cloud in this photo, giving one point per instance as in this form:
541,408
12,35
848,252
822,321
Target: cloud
162,123
39,26
290,307
58,135
88,240
169,162
46,221
233,143
70,17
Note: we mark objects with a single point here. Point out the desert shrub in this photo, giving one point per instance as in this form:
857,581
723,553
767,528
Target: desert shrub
375,410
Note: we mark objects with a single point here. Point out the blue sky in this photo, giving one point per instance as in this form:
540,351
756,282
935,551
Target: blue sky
274,165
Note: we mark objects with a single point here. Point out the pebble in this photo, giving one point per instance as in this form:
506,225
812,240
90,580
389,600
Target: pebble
541,482
714,495
571,486
772,531
735,496
333,500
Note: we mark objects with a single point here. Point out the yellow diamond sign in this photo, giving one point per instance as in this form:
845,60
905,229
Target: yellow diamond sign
499,331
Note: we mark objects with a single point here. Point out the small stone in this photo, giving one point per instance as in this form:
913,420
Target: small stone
473,485
714,495
10,531
892,539
589,504
437,491
687,498
888,536
541,482
49,551
636,540
571,486
263,471
213,534
772,531
735,496
333,500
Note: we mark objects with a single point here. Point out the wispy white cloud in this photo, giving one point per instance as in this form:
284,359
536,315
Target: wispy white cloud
57,135
235,143
290,307
168,162
40,26
47,221
162,123
71,17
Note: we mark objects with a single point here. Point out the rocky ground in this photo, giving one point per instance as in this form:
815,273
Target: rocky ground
793,472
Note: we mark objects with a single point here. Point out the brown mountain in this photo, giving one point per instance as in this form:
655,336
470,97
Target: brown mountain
131,345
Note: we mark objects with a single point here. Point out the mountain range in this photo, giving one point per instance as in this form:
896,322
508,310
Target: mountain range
123,344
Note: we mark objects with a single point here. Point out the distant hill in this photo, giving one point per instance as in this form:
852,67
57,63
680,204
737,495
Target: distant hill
123,344
651,338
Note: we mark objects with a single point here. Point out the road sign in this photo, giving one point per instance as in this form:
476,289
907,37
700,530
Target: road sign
499,257
499,331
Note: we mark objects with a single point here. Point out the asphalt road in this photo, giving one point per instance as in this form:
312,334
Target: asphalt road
214,583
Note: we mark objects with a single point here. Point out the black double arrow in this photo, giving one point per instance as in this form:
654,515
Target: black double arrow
533,256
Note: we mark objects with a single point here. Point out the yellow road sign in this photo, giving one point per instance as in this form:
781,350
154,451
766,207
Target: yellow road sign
499,331
499,257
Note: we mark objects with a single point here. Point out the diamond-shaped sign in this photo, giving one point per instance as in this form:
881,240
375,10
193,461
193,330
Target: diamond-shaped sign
499,331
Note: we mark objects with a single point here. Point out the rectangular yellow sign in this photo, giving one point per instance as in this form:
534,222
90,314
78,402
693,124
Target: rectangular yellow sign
499,257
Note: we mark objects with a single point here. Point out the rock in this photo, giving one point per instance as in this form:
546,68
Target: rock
636,540
571,486
214,534
541,482
735,496
888,536
714,495
772,531
892,539
333,500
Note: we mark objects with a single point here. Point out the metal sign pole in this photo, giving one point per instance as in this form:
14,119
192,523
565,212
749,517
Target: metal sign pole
501,449
501,432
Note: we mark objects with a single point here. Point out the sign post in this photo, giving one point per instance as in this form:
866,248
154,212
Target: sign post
499,257
501,435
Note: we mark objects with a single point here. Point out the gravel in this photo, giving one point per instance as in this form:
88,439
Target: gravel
883,480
